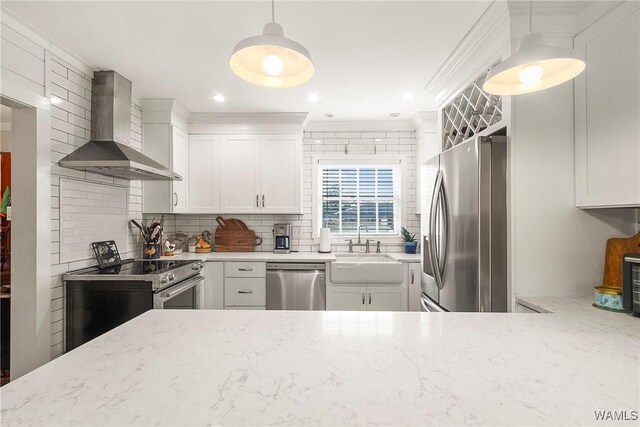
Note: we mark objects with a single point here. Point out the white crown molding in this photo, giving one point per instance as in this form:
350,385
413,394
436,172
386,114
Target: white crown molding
27,30
552,19
165,111
426,121
249,118
589,12
402,125
485,44
249,123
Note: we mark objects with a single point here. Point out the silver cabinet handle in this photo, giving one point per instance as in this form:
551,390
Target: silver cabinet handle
257,201
412,277
363,298
245,269
245,292
263,200
175,199
369,298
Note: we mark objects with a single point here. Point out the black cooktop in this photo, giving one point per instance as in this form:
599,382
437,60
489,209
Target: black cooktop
132,267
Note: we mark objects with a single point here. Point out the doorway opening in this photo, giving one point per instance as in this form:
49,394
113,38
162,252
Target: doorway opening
6,139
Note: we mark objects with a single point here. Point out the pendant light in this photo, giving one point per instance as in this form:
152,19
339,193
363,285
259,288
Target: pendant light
535,66
271,59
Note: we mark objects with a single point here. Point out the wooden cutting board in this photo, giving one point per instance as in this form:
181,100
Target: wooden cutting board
233,236
616,248
231,224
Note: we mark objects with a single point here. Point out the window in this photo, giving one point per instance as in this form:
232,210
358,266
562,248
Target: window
365,197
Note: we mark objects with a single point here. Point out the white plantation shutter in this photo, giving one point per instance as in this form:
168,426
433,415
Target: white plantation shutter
364,196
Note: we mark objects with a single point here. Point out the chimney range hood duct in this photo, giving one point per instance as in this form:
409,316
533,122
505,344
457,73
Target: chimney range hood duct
109,153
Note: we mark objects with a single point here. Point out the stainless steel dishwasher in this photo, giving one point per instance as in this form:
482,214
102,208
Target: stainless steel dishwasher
296,286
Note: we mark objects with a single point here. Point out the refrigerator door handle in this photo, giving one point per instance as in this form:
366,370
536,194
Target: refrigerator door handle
435,265
444,245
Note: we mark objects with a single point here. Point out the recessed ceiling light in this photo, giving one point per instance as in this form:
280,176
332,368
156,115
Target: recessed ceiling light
408,96
378,140
318,141
218,97
313,97
329,115
55,100
394,114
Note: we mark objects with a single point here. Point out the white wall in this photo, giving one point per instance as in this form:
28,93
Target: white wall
558,249
398,143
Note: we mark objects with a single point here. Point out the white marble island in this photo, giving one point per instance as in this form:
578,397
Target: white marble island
335,368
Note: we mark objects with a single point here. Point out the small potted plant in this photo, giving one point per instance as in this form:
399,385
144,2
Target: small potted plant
409,239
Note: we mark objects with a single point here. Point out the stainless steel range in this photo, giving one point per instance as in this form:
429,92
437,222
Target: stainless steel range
99,299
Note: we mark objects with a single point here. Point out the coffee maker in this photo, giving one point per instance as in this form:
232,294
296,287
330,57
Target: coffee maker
282,238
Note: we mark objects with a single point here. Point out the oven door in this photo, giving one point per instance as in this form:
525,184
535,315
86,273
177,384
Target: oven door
181,296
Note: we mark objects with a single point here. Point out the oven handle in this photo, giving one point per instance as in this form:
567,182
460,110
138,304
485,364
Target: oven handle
178,289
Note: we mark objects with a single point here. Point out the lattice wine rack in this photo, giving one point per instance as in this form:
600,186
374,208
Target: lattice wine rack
471,112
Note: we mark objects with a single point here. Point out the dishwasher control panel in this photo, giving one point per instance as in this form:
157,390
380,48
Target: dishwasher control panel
295,266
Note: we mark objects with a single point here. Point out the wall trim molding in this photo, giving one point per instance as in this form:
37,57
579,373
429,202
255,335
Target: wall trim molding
479,49
360,126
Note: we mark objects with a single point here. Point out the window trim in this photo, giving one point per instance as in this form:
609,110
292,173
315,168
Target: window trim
339,159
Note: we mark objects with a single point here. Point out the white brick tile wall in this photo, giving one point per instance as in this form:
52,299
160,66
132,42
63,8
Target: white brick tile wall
71,128
328,142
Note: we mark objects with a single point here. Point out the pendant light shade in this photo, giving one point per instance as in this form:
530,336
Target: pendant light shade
534,67
272,60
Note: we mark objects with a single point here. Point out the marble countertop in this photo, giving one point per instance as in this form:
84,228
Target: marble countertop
271,257
580,309
210,367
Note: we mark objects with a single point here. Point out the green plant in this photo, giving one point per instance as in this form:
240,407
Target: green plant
406,236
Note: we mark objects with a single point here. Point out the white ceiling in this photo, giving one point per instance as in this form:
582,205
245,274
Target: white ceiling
367,54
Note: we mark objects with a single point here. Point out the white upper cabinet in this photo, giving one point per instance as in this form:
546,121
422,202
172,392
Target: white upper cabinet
261,174
180,165
204,174
167,145
281,174
240,174
607,108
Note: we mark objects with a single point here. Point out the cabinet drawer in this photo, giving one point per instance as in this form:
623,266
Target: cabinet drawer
245,269
245,292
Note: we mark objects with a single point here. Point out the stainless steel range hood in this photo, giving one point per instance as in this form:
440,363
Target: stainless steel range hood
108,153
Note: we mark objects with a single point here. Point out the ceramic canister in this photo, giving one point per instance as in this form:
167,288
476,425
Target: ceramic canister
608,299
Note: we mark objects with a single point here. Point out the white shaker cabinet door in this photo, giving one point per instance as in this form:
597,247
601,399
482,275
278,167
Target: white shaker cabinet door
414,290
607,109
346,298
240,174
204,174
281,174
386,298
180,162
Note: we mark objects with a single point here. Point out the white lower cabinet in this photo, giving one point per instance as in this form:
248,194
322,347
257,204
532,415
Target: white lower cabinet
245,285
414,290
370,298
213,288
346,298
245,291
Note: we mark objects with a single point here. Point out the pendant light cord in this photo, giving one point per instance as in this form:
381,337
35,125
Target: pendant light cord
273,11
530,16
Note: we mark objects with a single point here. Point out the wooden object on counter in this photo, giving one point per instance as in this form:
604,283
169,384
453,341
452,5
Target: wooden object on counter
233,235
231,224
616,248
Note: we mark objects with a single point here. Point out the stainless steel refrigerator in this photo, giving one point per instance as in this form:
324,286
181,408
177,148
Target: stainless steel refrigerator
464,227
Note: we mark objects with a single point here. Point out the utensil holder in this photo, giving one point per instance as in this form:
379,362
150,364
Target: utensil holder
151,251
